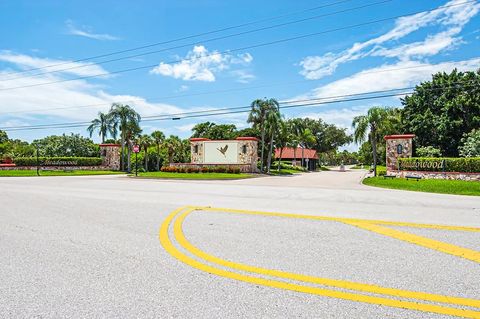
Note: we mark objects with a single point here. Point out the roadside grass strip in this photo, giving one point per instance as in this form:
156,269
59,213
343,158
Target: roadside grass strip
360,292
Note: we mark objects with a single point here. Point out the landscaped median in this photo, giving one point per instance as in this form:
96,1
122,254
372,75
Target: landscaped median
442,186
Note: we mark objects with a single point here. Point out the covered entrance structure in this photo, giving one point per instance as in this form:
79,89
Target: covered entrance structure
310,157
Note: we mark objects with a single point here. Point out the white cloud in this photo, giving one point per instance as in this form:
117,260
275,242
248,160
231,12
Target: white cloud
25,62
243,76
87,32
390,76
201,65
451,18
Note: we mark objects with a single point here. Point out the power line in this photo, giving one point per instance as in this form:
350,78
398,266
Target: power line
244,109
200,41
186,37
202,93
237,49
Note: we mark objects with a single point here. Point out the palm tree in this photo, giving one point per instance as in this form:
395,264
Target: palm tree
172,143
126,118
306,137
158,138
368,126
272,123
145,141
105,124
282,139
258,117
132,132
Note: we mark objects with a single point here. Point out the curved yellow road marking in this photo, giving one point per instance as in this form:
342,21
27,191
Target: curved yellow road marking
171,249
339,219
421,241
182,241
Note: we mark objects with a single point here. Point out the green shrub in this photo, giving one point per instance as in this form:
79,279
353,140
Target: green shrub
58,161
447,164
428,151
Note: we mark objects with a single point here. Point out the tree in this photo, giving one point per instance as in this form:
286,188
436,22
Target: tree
172,143
257,116
273,120
105,124
145,141
128,121
367,127
428,151
470,144
282,139
442,110
158,138
305,137
67,145
3,136
215,131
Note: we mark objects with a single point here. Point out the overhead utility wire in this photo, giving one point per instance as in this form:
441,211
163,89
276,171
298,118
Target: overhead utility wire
185,37
199,42
200,93
237,49
241,109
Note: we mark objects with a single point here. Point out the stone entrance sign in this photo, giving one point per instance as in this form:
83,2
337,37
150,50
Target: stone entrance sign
398,146
241,151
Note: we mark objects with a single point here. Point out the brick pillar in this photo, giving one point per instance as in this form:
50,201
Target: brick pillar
398,146
110,154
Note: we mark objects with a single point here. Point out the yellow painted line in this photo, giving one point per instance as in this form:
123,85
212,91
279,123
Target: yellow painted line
171,249
183,241
421,241
339,219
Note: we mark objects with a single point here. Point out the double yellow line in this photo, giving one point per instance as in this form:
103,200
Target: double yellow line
368,293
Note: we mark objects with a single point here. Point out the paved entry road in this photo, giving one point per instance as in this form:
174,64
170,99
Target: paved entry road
319,245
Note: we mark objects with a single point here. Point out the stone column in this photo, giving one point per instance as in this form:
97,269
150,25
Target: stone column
110,154
398,146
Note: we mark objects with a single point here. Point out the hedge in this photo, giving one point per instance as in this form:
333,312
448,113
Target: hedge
204,169
445,164
58,161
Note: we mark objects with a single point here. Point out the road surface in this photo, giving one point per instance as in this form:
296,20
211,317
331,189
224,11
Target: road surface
107,246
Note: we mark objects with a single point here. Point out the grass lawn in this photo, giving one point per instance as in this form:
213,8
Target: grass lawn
427,185
169,175
15,173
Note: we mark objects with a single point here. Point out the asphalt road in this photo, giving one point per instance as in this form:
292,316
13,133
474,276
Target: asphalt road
89,247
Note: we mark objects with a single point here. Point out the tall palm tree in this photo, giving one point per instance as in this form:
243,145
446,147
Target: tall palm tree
306,137
282,139
368,127
145,141
132,133
258,115
272,123
127,119
105,124
158,138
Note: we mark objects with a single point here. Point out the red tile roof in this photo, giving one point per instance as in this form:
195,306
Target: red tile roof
288,152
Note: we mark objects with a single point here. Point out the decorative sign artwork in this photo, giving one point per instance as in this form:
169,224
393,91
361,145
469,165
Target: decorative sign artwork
220,152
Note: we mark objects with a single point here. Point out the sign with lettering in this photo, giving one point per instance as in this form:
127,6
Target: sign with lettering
220,152
136,148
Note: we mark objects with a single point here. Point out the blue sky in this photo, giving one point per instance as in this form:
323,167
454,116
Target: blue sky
394,53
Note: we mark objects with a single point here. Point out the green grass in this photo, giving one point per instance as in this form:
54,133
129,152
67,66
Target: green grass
360,167
168,175
427,185
19,173
324,168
